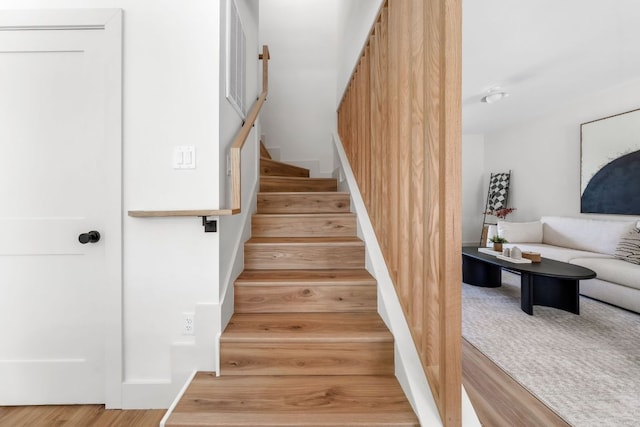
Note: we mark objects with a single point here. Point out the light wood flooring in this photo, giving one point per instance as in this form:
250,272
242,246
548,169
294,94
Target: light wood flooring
77,416
498,399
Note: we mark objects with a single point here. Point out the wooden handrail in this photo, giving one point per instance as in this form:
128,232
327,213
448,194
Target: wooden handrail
234,154
243,134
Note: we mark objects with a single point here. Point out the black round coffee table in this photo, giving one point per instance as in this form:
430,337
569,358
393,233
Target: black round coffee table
550,283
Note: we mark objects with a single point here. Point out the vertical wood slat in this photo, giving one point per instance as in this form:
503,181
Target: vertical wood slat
400,122
373,122
432,59
393,88
365,114
383,63
359,160
363,89
450,206
417,170
432,156
404,142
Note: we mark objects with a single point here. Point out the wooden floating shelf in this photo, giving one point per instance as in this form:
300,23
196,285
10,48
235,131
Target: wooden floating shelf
201,212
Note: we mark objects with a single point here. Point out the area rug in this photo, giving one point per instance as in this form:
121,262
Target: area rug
586,368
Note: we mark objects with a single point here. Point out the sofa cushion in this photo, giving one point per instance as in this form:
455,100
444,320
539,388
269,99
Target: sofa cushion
629,247
592,235
556,252
516,232
612,270
622,296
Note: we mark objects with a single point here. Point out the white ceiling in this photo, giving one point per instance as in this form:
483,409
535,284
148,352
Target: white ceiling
545,53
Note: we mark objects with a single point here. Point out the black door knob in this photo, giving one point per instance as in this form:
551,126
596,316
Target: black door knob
90,237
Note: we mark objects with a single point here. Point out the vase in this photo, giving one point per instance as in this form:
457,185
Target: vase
497,247
516,252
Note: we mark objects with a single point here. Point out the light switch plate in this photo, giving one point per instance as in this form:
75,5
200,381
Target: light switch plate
184,157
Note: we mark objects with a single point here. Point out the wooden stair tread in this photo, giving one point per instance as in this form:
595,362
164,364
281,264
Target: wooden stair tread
309,241
306,193
307,327
295,184
293,401
270,167
303,225
297,179
303,202
306,344
298,216
295,298
283,291
278,253
335,277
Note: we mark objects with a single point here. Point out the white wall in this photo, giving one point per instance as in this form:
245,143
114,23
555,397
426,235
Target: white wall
171,83
544,155
230,120
300,114
474,188
309,72
355,20
171,97
234,230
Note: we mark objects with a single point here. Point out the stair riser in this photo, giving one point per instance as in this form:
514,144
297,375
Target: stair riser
309,401
304,226
273,168
303,203
296,256
282,184
293,299
305,278
374,358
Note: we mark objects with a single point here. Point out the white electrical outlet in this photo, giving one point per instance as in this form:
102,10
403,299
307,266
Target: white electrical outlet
188,324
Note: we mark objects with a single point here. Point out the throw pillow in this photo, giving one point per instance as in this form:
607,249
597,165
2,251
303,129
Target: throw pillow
629,247
521,232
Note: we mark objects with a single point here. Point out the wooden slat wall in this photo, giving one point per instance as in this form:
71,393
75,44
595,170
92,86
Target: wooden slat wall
400,123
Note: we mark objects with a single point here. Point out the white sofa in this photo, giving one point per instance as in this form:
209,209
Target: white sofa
591,243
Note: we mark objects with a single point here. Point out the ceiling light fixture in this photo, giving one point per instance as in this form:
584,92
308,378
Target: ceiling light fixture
494,95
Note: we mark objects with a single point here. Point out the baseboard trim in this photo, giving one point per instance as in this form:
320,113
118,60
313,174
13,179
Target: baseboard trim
199,354
148,395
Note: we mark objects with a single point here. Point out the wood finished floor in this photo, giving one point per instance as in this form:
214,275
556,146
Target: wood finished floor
77,416
498,399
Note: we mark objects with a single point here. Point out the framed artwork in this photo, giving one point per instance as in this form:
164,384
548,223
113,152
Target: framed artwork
610,165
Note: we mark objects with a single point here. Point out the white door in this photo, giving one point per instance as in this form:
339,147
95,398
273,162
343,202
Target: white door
60,177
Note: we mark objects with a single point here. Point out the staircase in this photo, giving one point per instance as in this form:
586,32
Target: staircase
305,346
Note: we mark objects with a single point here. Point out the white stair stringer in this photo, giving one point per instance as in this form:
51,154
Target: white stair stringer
408,367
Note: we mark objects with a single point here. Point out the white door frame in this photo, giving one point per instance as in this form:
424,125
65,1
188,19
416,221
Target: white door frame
110,22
